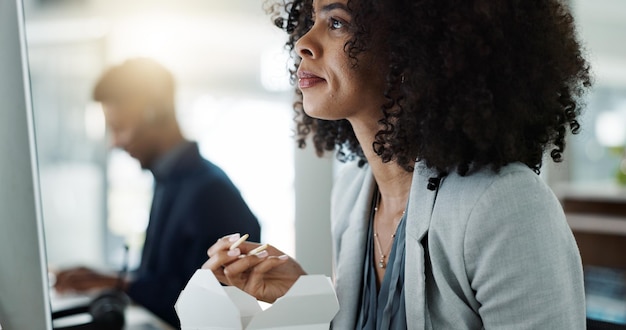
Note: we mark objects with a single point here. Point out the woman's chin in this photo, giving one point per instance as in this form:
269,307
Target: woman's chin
323,114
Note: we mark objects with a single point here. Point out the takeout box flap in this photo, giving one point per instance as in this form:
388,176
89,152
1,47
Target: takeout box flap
310,304
204,304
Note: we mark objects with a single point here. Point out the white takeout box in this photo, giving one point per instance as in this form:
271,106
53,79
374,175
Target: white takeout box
205,304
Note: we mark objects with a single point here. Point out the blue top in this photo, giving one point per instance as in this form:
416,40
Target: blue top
384,309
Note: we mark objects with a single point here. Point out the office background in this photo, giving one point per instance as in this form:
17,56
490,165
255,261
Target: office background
234,99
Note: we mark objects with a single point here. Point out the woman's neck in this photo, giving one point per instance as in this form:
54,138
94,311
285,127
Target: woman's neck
394,185
393,181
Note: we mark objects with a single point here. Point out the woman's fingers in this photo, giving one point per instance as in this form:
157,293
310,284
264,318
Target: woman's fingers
269,264
251,255
223,252
231,251
223,243
257,275
248,266
237,272
249,247
222,258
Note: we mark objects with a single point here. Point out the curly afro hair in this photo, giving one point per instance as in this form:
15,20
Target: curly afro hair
470,83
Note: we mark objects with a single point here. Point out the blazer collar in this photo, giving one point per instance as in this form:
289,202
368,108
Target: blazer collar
424,188
352,253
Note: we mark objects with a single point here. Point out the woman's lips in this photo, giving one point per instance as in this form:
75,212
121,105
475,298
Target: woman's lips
307,79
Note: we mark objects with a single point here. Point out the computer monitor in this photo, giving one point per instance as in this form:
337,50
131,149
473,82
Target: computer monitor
24,300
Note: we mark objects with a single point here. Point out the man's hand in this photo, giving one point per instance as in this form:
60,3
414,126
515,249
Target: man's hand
84,279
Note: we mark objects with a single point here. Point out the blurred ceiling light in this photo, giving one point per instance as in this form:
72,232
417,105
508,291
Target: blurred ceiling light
207,48
161,36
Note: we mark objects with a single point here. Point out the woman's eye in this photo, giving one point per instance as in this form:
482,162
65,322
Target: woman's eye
336,24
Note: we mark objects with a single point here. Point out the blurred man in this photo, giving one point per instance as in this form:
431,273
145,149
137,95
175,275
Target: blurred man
194,204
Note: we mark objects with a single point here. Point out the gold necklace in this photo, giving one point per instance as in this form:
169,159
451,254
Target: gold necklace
381,261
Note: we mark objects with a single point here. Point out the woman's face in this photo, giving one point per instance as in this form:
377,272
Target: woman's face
332,88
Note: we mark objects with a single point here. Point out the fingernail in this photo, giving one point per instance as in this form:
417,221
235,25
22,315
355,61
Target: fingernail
262,254
234,237
283,257
234,253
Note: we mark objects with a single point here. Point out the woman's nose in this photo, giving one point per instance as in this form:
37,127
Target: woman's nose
307,47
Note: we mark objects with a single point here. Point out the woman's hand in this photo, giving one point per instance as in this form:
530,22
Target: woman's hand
266,275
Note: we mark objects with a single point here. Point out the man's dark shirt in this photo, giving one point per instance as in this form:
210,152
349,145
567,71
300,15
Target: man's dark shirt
194,205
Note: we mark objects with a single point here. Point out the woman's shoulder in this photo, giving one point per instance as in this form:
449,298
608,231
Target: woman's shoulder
514,178
488,201
515,191
511,222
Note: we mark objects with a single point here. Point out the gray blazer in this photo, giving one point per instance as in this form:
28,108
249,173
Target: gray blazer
488,250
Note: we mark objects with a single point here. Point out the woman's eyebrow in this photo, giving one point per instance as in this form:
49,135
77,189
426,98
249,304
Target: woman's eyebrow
335,5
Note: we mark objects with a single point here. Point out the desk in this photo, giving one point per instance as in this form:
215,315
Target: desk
137,318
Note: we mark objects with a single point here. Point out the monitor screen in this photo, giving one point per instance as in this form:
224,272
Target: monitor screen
24,300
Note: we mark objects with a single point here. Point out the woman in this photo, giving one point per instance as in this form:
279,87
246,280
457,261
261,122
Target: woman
447,108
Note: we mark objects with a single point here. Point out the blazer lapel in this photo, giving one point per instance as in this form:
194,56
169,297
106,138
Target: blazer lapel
419,212
349,272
